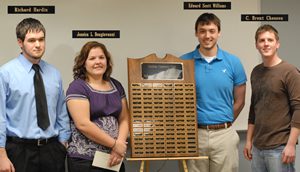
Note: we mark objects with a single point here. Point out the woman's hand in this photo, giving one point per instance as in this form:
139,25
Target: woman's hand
120,147
114,159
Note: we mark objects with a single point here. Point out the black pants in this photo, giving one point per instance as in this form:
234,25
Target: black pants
32,158
82,165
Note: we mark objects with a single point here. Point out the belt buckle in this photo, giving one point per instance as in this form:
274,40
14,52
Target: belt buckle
226,125
40,142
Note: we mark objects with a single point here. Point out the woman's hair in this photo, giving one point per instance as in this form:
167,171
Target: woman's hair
79,70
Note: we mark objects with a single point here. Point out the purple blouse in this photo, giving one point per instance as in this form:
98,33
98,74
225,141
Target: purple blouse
105,108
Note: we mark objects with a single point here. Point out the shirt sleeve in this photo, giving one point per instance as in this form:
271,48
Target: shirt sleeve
251,117
293,85
77,90
239,74
120,88
2,111
63,120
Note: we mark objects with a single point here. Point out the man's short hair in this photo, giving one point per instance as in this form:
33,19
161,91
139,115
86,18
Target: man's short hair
29,25
207,18
266,28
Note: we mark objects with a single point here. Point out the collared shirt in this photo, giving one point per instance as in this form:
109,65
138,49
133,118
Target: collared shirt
17,102
215,82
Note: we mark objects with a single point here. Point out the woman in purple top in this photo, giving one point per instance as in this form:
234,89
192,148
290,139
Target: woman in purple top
98,108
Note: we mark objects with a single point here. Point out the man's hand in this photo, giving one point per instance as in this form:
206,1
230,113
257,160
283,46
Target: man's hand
5,164
288,154
247,151
65,144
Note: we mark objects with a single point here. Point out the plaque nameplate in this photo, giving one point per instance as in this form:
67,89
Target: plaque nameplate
161,71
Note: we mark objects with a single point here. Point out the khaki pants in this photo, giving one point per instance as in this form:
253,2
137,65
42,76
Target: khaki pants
221,147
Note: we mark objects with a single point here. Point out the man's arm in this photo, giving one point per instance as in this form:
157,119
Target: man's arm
289,152
292,84
239,92
248,144
63,120
5,163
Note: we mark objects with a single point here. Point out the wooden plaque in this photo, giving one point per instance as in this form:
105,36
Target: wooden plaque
162,103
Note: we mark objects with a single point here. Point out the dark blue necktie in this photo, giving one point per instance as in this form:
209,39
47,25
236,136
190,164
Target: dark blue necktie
40,99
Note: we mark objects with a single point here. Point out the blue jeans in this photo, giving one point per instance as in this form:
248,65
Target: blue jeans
269,160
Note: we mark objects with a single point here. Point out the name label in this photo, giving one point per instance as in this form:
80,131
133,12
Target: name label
265,17
31,9
95,34
207,5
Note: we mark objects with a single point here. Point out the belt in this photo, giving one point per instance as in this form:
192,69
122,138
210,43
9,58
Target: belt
36,142
216,126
